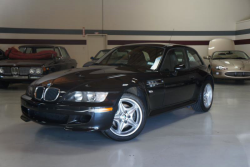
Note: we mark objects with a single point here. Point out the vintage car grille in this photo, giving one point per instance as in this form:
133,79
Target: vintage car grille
24,70
48,94
7,70
238,74
16,70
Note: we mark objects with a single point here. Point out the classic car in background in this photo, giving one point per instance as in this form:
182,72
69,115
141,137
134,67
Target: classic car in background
117,94
99,55
32,63
227,63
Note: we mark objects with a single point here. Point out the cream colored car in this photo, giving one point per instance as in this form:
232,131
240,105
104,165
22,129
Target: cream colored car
229,65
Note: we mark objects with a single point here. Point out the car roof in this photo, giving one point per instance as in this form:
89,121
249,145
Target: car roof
154,44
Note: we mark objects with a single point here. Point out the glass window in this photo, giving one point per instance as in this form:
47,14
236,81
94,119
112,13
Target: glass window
64,53
230,55
142,56
43,49
193,58
101,53
21,49
175,57
28,50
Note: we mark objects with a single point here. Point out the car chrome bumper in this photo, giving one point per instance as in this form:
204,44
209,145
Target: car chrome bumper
19,77
70,117
220,74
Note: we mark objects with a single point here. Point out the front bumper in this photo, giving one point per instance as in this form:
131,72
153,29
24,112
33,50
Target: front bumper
18,78
221,74
68,116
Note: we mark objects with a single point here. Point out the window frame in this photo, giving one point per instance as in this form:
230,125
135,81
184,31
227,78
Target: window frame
202,63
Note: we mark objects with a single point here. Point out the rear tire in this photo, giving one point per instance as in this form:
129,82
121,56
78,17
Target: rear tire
4,85
129,119
205,99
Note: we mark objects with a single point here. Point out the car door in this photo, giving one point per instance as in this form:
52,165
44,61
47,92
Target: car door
176,82
194,62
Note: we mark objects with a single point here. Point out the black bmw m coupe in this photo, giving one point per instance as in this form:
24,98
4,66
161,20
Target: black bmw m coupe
119,92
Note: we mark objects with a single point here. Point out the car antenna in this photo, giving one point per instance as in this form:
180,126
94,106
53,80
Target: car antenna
171,35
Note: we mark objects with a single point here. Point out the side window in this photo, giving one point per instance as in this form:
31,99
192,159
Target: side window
175,57
28,50
21,49
193,58
64,53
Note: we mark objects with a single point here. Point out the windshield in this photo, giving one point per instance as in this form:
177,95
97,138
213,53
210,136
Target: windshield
230,55
141,56
101,53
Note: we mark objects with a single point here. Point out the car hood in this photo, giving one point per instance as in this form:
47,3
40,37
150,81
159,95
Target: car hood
24,63
91,77
233,64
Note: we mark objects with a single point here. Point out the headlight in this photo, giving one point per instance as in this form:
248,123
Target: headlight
78,96
35,71
220,68
1,70
38,71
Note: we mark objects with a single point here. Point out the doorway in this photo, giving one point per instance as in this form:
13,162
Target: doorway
95,43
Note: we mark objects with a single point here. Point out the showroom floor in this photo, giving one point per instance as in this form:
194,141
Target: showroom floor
179,138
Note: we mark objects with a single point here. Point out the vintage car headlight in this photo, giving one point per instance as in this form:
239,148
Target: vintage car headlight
1,70
79,96
36,71
220,68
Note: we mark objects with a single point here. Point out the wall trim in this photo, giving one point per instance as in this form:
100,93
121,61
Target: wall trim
121,32
43,41
109,42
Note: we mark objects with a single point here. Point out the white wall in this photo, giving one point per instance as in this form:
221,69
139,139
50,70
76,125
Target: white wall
242,25
181,15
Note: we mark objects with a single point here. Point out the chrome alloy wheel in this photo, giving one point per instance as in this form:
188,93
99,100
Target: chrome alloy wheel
128,118
208,95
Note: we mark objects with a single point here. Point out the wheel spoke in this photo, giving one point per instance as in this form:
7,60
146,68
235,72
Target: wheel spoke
120,126
122,109
132,123
117,117
131,110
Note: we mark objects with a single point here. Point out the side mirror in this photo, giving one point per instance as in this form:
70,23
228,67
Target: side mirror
207,57
179,67
56,59
92,58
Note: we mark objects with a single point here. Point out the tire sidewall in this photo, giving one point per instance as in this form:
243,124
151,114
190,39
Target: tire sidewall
113,136
205,109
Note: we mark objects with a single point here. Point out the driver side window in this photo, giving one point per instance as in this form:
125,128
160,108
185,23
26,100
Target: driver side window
173,58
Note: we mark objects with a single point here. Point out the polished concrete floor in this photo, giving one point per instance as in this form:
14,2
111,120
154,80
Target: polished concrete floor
179,138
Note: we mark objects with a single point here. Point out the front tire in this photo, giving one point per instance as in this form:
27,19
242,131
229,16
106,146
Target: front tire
129,119
205,99
4,85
